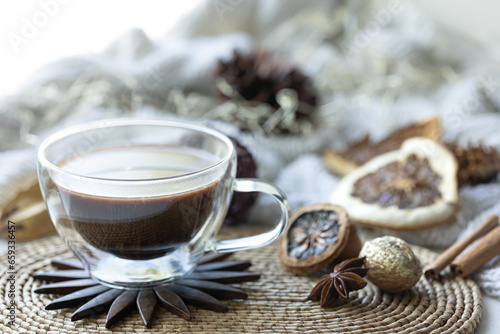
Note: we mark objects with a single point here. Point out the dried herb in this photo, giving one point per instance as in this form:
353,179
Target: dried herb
347,276
476,164
407,184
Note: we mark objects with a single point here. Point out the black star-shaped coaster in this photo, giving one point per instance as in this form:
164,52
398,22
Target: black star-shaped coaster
203,288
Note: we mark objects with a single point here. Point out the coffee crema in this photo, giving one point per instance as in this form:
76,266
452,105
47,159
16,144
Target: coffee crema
139,228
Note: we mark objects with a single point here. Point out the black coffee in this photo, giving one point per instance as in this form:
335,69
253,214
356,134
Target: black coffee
145,227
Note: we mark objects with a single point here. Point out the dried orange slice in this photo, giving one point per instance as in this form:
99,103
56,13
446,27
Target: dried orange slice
344,162
317,235
414,187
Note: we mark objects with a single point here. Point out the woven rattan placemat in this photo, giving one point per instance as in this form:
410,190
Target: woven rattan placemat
276,303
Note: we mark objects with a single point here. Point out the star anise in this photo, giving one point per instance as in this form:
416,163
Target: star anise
347,276
406,184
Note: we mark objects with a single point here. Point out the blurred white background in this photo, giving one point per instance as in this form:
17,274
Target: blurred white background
476,20
36,32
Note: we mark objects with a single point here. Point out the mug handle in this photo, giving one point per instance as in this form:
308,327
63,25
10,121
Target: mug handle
263,239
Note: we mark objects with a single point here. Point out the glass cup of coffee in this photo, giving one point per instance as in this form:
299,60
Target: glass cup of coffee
140,201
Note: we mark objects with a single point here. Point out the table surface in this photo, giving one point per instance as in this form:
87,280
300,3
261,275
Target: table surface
490,321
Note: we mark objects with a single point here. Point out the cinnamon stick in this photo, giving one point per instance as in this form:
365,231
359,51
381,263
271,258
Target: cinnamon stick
454,250
485,250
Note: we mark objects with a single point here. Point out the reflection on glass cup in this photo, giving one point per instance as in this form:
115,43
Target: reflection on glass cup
139,201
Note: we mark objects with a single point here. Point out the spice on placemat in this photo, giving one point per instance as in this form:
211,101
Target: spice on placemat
451,304
480,254
317,235
393,265
458,247
347,276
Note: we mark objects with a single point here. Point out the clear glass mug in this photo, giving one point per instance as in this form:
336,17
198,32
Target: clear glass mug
139,201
